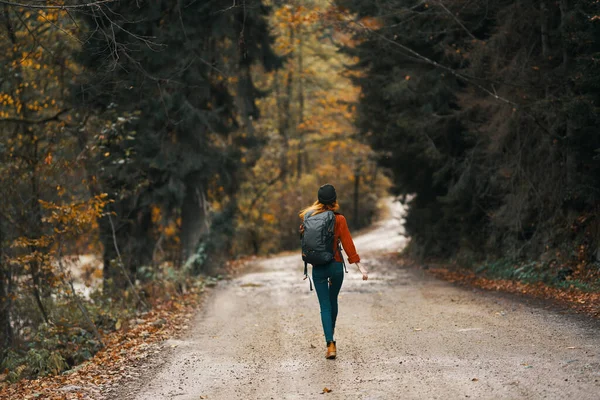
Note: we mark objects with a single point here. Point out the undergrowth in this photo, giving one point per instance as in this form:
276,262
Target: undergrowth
68,339
535,272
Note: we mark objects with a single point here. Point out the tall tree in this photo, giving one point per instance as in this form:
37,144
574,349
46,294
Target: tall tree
174,71
480,111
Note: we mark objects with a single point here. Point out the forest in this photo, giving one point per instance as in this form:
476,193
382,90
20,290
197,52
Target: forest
144,144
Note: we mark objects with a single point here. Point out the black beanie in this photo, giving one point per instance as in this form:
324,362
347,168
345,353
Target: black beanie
327,194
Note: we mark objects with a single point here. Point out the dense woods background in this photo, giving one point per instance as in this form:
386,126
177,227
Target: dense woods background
488,112
143,143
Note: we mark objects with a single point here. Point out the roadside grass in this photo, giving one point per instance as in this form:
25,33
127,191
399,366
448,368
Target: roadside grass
533,272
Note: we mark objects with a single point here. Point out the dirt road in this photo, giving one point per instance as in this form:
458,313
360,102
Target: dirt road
400,335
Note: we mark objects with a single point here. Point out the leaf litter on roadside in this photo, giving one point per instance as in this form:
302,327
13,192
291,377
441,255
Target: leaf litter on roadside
117,361
577,299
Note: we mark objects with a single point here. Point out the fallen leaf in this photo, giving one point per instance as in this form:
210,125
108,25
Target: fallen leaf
250,284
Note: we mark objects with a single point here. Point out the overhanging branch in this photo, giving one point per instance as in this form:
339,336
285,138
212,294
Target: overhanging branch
55,117
56,6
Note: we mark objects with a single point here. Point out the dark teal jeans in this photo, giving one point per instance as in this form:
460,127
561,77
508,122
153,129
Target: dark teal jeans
327,293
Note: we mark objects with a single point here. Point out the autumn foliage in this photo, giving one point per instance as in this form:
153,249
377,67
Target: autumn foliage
142,147
144,144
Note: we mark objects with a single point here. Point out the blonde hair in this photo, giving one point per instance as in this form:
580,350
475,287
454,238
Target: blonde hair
317,207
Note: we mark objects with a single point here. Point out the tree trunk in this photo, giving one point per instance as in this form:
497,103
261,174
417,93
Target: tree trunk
300,107
245,92
6,332
141,242
544,28
112,276
33,218
281,127
356,196
564,9
286,123
194,215
571,162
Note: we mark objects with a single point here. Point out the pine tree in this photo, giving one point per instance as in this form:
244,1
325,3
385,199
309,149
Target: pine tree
172,75
484,112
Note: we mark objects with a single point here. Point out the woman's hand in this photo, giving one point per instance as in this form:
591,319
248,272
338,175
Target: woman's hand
363,272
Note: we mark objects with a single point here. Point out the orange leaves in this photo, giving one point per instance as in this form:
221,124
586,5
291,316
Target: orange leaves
268,218
137,339
6,99
156,214
75,218
588,302
295,16
371,23
25,242
169,229
288,22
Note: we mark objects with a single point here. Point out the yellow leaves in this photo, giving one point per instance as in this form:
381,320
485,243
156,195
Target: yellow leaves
156,214
74,218
6,99
170,230
49,15
289,17
25,242
268,218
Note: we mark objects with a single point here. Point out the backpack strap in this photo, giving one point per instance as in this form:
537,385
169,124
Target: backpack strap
339,246
306,275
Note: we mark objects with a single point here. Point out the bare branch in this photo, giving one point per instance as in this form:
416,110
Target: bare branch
456,19
120,262
58,7
55,117
69,281
463,77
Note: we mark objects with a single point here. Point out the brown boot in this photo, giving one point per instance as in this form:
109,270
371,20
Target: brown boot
331,351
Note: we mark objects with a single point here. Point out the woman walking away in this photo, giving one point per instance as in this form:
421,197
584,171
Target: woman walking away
321,231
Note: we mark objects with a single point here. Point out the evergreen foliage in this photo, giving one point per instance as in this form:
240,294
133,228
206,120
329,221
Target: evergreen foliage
487,113
172,75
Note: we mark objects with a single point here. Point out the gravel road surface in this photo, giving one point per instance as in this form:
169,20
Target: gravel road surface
400,335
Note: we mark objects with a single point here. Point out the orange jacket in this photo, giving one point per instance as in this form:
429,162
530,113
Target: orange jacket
343,233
